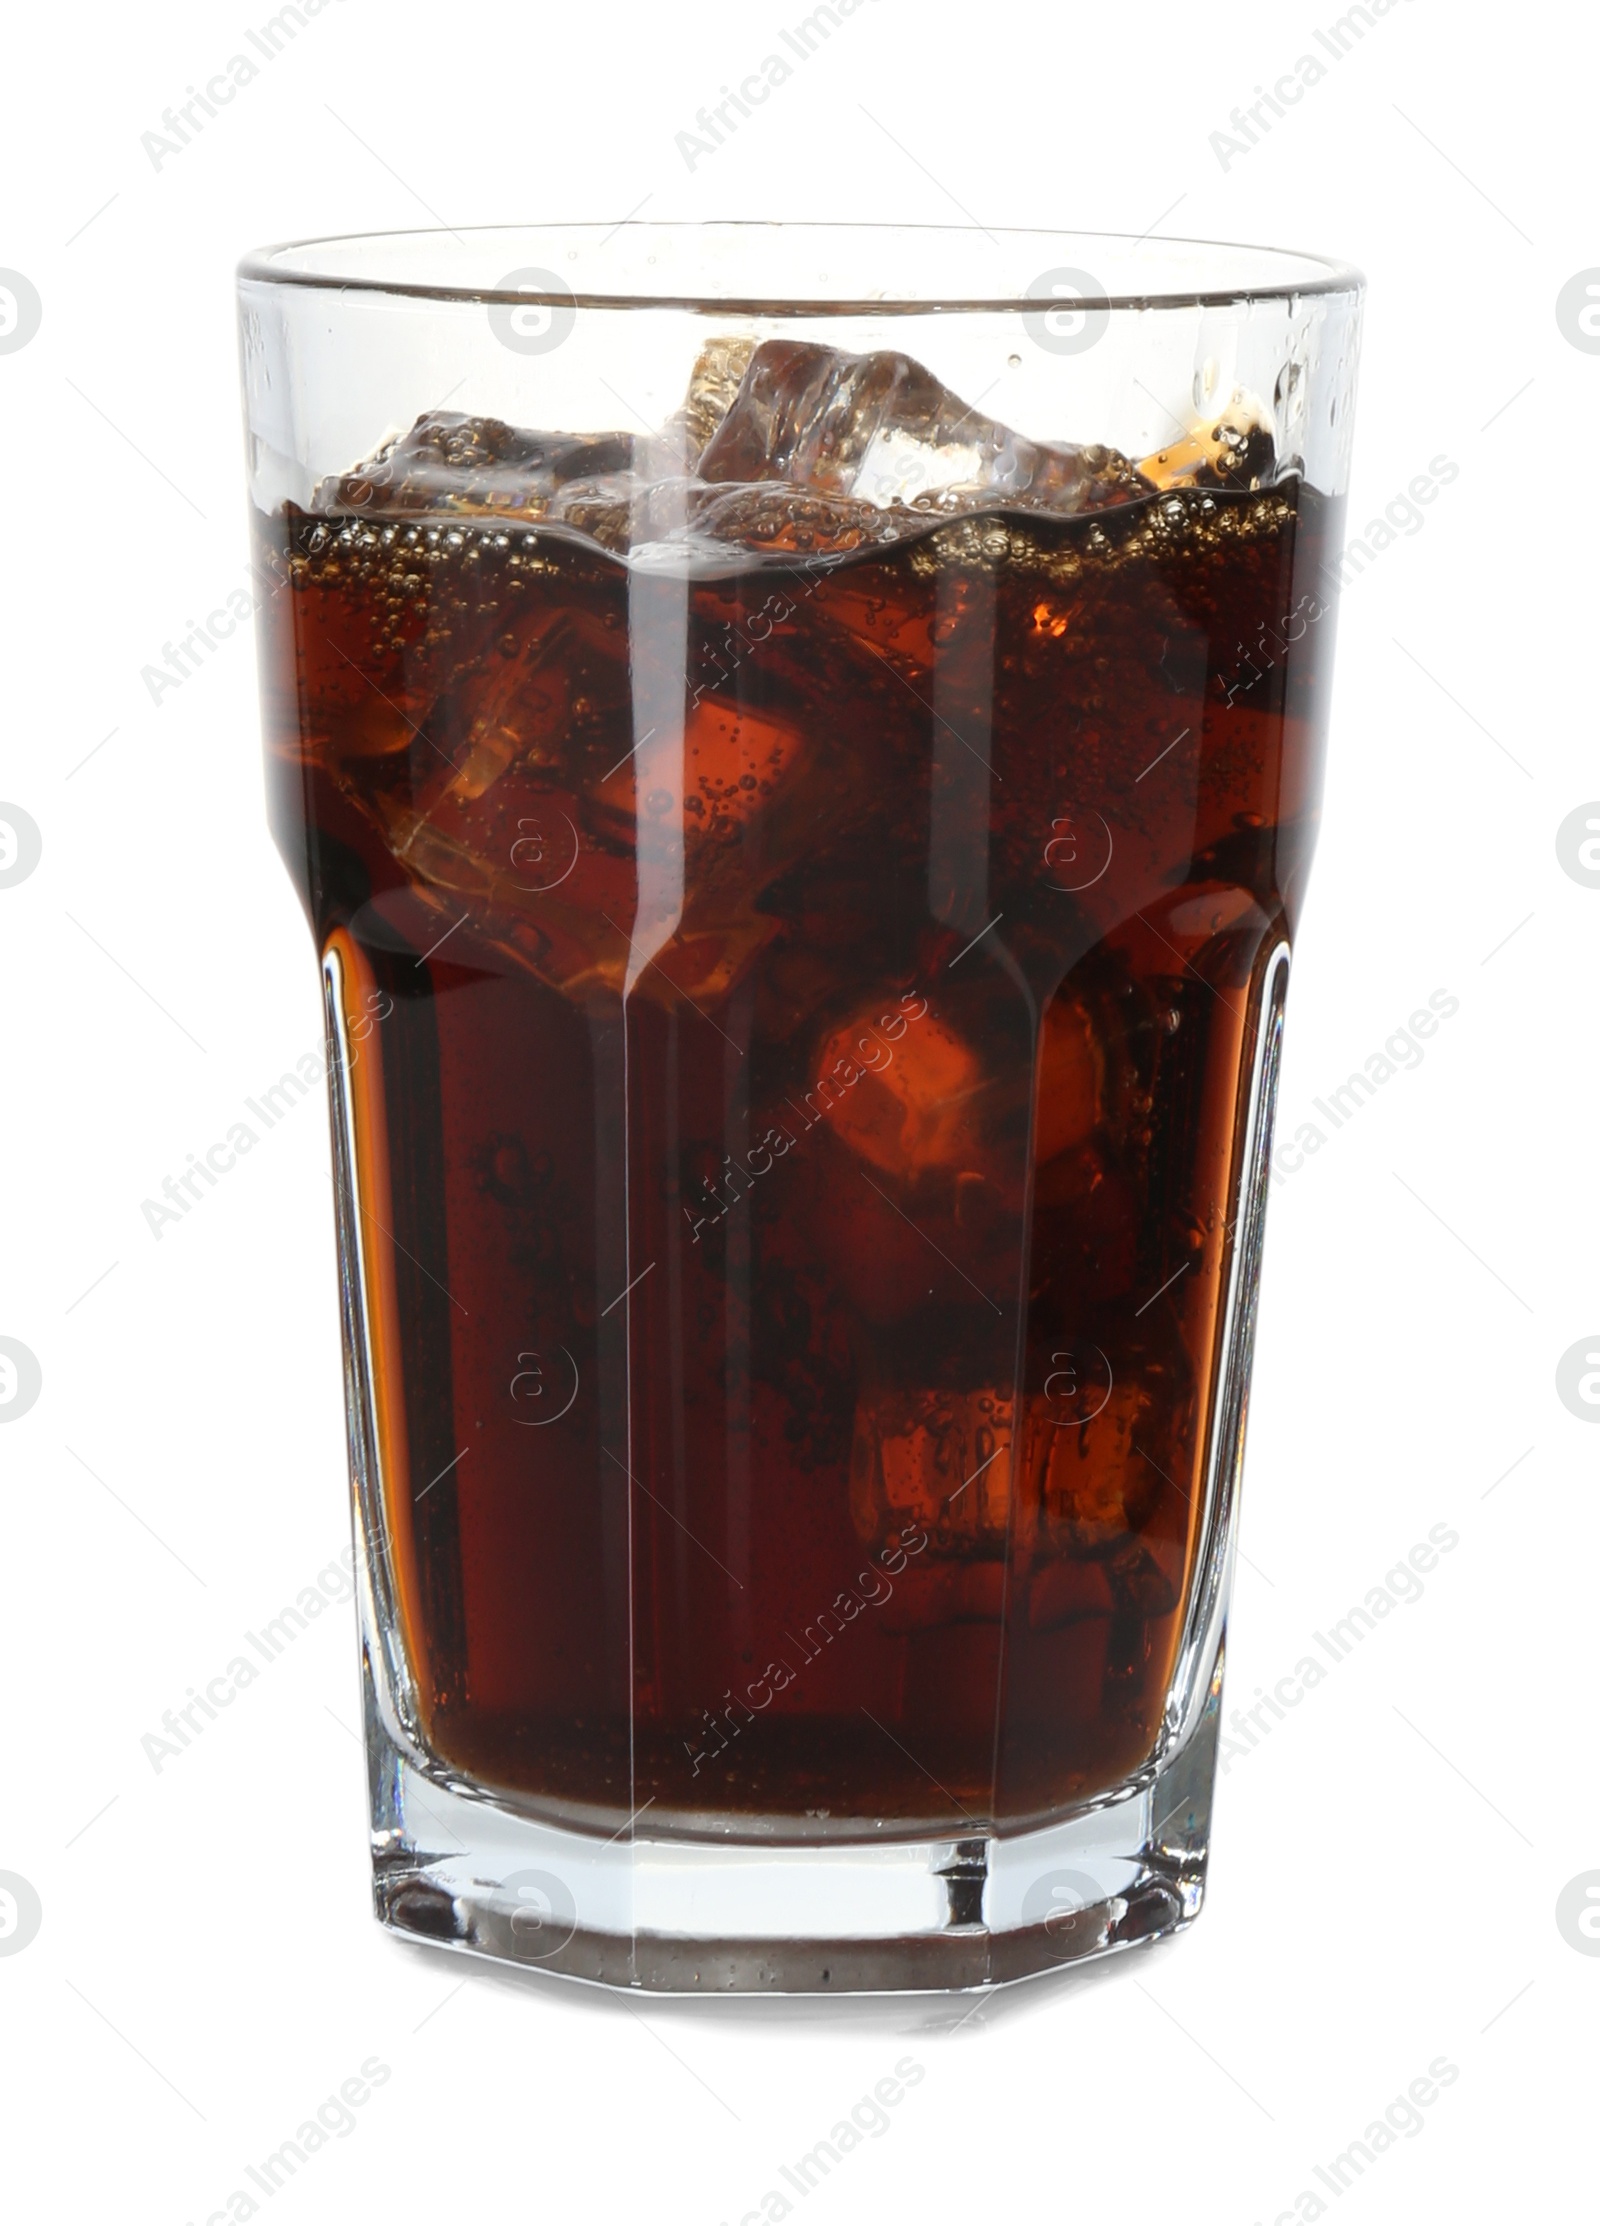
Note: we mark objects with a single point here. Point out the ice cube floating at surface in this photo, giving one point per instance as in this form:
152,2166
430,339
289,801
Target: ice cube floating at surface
788,448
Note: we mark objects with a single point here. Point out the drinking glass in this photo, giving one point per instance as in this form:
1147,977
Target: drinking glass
800,748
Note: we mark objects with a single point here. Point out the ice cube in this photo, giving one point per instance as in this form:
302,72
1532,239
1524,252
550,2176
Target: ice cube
626,511
732,760
718,372
553,679
601,505
675,517
1071,1078
551,870
797,522
935,1461
1137,1583
937,1466
882,429
902,1087
471,467
1087,1481
539,889
1233,449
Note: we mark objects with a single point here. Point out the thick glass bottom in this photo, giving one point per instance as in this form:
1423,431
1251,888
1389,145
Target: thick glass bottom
455,1868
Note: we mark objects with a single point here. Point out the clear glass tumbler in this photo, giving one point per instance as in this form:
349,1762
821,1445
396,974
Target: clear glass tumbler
801,750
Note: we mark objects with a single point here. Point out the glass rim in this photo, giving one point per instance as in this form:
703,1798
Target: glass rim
1311,274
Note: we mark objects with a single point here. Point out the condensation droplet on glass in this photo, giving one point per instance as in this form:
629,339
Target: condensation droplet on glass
1013,363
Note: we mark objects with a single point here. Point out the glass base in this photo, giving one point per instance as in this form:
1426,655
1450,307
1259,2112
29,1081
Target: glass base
454,1868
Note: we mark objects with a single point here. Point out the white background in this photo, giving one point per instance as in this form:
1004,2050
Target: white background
1388,1859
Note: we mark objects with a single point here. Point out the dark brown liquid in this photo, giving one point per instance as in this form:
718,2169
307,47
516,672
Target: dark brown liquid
880,1025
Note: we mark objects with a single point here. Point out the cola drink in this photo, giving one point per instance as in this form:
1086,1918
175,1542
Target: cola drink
797,895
